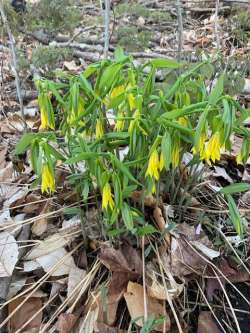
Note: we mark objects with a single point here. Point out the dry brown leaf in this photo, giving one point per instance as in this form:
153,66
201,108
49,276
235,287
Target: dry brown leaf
182,259
135,303
102,328
26,311
206,323
66,322
125,259
40,226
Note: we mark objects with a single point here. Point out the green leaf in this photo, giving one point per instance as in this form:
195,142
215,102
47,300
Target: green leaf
216,91
235,188
117,190
147,229
165,63
234,214
24,143
166,149
83,157
200,128
119,55
108,77
124,169
127,216
55,153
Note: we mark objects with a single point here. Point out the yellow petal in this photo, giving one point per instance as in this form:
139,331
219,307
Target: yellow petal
48,181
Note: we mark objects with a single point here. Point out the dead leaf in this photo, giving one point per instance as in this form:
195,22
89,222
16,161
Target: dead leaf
49,253
102,328
209,253
125,259
40,226
66,322
24,313
135,303
8,254
221,172
76,275
206,323
17,283
182,259
71,66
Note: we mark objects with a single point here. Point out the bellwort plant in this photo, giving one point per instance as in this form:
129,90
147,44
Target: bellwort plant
117,130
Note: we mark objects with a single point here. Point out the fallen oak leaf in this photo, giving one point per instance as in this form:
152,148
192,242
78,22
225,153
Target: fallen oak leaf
134,298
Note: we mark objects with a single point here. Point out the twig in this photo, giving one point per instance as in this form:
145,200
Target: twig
144,281
216,24
180,28
106,24
14,62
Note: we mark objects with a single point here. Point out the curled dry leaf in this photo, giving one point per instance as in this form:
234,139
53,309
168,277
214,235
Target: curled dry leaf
8,254
135,303
157,290
183,259
206,323
40,226
149,200
21,317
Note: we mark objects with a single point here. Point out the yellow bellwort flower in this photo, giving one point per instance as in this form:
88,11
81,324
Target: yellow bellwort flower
153,165
48,181
212,149
183,121
175,154
201,144
239,158
44,119
120,123
161,164
107,199
99,129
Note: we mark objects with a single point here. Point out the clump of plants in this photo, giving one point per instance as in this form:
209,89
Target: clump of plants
116,132
53,16
48,57
130,38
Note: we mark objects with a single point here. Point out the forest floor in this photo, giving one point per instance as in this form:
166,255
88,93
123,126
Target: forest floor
53,280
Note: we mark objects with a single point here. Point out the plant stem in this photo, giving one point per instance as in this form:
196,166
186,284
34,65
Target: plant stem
14,62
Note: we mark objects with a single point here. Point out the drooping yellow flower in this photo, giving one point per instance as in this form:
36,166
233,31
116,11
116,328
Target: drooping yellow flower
153,165
183,121
44,119
131,101
134,121
175,153
239,158
119,124
201,144
48,181
212,149
161,164
99,129
117,91
107,199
